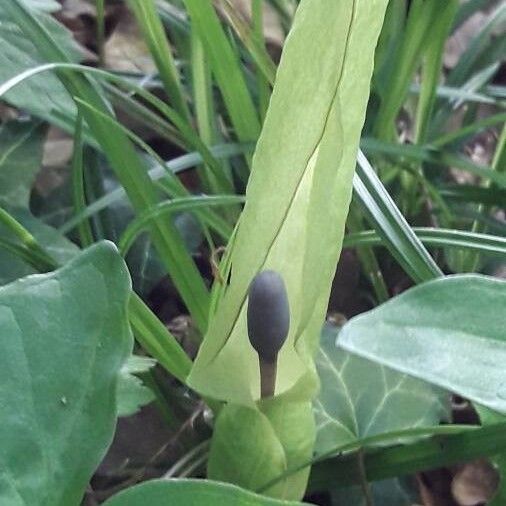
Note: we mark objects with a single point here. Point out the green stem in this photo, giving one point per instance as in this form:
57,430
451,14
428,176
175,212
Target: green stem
100,6
366,488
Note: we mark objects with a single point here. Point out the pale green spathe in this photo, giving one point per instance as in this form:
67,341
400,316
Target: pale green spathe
297,197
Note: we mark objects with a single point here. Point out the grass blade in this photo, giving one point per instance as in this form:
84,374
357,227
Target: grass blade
143,221
154,337
432,65
254,46
177,165
431,155
439,451
407,57
444,238
382,212
100,6
226,69
154,35
78,194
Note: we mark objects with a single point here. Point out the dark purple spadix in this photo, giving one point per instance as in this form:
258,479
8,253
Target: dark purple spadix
268,314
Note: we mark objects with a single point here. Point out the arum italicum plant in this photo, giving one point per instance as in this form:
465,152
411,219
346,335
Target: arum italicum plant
293,224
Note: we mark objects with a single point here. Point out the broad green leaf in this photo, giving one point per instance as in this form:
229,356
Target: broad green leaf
241,430
191,493
359,399
60,366
306,152
43,96
266,442
132,393
449,332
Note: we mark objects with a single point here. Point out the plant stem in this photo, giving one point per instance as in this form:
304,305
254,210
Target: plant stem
100,5
366,489
268,371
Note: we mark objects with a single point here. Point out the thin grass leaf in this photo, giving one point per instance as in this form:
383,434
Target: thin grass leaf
464,133
432,65
24,254
172,184
394,438
470,262
440,237
251,42
143,221
474,194
431,155
474,84
368,260
264,90
382,212
207,121
399,460
489,94
154,337
407,58
179,164
78,195
159,47
226,69
144,115
478,46
467,9
26,239
100,7
188,136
